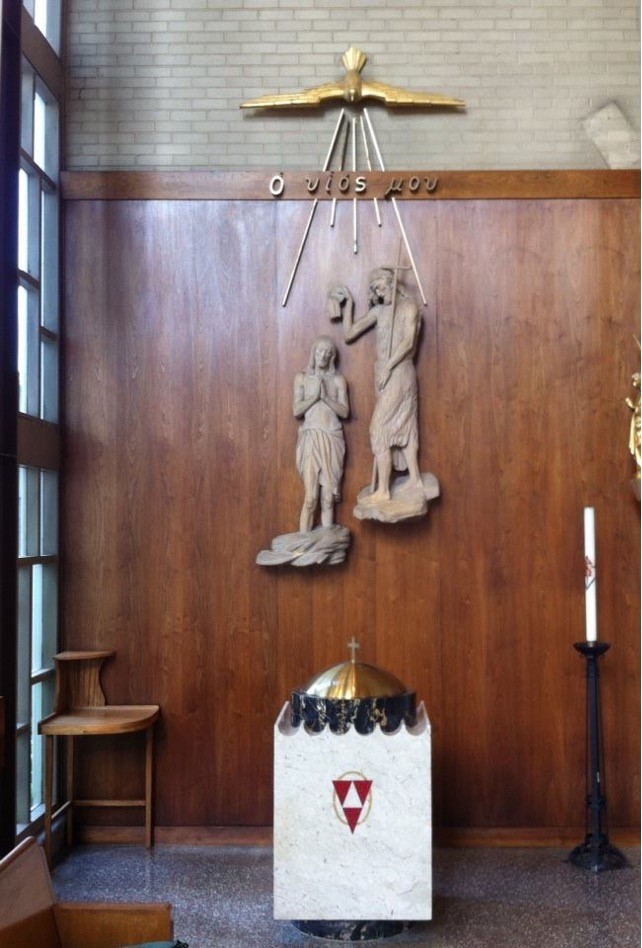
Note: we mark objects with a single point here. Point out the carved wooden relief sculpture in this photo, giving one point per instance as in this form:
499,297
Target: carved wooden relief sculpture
393,427
320,400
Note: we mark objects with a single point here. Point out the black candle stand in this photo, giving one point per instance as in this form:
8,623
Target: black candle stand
595,853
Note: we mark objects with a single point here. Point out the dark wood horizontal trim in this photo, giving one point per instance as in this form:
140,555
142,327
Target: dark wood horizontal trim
412,185
38,443
493,837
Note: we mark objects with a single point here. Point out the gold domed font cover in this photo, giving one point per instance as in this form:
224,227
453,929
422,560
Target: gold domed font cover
351,680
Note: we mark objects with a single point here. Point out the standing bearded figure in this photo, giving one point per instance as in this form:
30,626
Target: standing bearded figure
321,399
393,428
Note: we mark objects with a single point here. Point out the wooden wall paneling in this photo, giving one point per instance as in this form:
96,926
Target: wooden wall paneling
616,309
477,647
179,455
187,344
515,375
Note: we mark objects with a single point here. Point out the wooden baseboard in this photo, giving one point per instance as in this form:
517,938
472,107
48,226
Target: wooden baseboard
179,835
551,836
490,837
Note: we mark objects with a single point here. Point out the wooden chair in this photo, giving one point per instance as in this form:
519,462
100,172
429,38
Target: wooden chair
80,709
30,916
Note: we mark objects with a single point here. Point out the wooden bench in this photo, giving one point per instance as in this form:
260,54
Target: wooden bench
30,916
81,709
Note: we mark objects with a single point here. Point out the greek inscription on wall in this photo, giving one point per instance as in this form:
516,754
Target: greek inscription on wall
352,185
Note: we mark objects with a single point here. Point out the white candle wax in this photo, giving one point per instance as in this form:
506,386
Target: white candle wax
590,576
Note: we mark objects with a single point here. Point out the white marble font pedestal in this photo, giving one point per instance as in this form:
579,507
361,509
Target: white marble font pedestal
352,823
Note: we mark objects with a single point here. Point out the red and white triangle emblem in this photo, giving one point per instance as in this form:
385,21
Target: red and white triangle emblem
352,796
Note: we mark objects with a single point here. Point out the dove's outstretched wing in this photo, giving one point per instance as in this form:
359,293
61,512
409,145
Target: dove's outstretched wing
306,98
392,95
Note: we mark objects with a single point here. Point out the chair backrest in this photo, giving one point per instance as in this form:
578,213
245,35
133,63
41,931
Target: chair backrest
26,899
78,680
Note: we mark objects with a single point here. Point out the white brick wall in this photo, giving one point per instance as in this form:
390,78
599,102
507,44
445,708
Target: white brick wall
158,83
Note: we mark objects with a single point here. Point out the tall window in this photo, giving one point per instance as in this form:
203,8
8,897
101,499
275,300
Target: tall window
38,371
37,629
38,250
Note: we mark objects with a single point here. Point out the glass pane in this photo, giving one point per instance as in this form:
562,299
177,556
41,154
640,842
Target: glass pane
29,224
54,23
26,108
48,513
52,136
44,621
24,646
40,15
39,130
23,362
45,130
36,618
28,351
49,380
23,221
49,273
46,16
41,706
28,511
23,755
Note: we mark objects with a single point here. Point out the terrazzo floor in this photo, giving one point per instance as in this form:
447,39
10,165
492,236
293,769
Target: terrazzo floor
509,898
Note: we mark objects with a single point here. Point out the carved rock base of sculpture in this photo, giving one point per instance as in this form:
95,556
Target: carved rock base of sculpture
405,501
319,546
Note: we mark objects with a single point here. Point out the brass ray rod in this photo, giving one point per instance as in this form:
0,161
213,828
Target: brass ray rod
396,208
328,158
405,240
341,166
355,243
366,149
300,250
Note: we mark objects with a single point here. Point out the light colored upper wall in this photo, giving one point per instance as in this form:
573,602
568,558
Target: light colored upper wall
158,83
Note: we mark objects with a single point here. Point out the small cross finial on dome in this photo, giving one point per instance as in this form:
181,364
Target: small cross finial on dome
353,645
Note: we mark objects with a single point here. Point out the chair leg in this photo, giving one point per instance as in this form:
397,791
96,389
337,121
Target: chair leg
69,765
48,795
149,770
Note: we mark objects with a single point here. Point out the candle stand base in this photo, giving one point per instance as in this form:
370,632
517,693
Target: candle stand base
597,855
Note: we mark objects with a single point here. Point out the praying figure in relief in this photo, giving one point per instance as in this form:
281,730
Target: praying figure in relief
394,424
320,400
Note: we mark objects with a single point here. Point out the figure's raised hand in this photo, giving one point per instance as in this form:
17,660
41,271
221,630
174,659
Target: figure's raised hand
336,299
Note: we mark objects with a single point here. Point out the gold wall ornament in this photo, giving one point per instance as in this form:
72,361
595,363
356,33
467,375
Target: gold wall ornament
352,88
634,431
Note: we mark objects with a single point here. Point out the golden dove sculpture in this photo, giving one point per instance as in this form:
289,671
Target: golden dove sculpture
353,89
